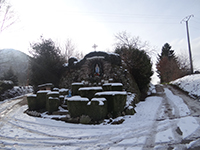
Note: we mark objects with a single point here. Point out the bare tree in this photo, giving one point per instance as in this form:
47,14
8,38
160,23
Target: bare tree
184,64
7,15
70,50
126,40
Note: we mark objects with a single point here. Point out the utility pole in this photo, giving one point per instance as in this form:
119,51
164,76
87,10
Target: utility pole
186,19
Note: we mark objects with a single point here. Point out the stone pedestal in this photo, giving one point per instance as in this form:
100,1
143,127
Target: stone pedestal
53,96
42,97
75,87
89,92
32,102
53,104
77,106
97,109
115,101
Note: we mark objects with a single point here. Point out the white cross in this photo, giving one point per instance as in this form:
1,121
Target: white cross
95,46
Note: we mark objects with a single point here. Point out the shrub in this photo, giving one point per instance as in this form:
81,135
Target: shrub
5,85
139,65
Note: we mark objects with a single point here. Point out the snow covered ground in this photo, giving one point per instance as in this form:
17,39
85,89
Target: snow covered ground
161,122
190,84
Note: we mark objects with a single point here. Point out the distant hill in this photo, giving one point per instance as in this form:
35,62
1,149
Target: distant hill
19,62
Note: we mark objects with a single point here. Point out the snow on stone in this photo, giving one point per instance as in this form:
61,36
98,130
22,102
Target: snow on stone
183,109
63,90
116,84
61,96
43,91
106,84
110,93
190,84
100,100
90,88
52,92
77,83
52,98
77,98
32,95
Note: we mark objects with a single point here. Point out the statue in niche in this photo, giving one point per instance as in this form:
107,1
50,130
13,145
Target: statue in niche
97,70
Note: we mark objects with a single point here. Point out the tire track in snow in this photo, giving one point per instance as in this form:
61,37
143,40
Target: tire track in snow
194,107
169,135
164,131
150,140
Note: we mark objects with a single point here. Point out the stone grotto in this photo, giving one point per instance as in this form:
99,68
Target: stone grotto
94,88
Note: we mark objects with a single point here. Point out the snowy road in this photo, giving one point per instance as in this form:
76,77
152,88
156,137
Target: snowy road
169,120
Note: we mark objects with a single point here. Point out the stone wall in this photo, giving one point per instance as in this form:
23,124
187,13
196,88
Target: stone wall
111,67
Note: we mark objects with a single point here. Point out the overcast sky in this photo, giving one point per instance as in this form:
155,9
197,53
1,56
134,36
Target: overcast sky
97,21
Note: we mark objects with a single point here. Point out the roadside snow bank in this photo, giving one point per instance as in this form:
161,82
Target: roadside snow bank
190,84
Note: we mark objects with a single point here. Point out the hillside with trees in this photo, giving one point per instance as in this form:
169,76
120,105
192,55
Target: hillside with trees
15,61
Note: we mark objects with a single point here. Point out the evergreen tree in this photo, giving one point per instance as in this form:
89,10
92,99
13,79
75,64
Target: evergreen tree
47,63
167,52
167,65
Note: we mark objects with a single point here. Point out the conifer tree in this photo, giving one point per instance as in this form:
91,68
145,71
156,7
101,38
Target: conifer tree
47,63
167,65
